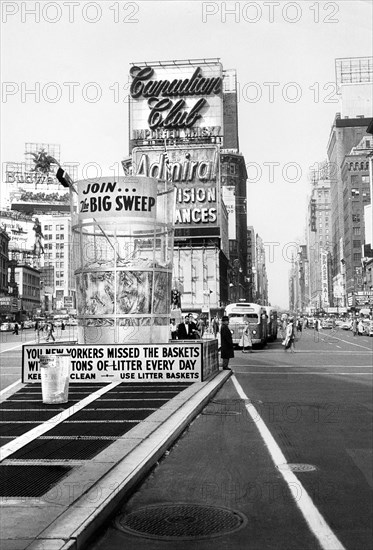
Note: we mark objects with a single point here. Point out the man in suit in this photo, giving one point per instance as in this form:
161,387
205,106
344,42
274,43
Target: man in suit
226,342
187,330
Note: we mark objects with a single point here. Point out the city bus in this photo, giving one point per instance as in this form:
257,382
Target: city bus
254,314
272,323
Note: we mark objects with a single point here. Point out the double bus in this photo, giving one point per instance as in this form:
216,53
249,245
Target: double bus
254,314
272,323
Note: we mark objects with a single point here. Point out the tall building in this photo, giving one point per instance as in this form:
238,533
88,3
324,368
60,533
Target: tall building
354,81
319,232
356,195
251,264
345,134
39,222
188,132
261,272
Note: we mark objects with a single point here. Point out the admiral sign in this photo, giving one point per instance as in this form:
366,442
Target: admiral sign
176,101
194,172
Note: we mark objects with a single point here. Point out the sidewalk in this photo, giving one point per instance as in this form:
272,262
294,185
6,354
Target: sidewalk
72,510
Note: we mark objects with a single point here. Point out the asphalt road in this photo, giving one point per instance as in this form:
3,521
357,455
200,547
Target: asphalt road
312,409
11,351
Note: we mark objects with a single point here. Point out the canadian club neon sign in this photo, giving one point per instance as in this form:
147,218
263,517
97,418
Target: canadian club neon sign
164,112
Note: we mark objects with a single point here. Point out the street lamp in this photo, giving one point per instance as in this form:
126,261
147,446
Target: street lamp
208,294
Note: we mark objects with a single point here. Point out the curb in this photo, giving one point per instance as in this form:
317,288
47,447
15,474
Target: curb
72,529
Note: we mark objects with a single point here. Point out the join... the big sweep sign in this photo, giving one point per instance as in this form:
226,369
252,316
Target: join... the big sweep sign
112,363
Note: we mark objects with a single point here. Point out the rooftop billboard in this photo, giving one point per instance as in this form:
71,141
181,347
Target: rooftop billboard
181,101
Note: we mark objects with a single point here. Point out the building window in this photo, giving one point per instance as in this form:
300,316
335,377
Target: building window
356,218
357,230
365,179
355,192
357,256
356,244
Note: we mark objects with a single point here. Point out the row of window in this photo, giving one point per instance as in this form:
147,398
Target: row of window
59,237
50,227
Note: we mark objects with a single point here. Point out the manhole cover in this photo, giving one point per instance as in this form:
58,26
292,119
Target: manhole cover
181,521
297,467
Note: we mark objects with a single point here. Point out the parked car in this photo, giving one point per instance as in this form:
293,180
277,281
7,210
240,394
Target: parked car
7,327
346,325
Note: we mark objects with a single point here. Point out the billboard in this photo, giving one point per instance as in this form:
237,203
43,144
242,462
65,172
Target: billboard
176,100
324,279
194,171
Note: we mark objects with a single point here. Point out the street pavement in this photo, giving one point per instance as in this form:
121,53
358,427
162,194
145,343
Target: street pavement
227,482
312,409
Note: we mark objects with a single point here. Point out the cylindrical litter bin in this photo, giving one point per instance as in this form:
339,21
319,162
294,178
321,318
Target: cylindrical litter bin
55,374
123,234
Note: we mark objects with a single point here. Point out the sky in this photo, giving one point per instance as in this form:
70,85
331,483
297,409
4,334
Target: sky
65,80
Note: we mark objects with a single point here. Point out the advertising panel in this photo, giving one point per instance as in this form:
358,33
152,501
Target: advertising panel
112,363
131,197
324,279
194,171
176,100
229,199
19,228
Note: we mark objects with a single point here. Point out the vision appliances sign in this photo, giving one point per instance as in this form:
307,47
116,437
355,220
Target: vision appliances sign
194,171
176,101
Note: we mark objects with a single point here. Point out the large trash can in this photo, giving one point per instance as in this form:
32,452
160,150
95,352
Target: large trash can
123,234
55,374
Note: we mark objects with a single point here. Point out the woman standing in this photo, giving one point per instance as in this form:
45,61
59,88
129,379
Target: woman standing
290,336
245,341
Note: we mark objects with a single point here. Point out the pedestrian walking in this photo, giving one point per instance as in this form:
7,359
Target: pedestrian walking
290,336
15,329
63,325
215,325
50,331
226,343
245,340
201,326
360,328
354,327
299,325
36,326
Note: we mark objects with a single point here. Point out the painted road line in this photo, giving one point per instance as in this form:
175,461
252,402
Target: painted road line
18,346
352,343
24,439
315,521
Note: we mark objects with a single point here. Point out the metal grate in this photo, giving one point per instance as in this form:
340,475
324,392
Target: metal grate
113,414
29,481
181,521
15,430
59,449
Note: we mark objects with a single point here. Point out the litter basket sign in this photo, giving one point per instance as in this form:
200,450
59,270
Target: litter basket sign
114,363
